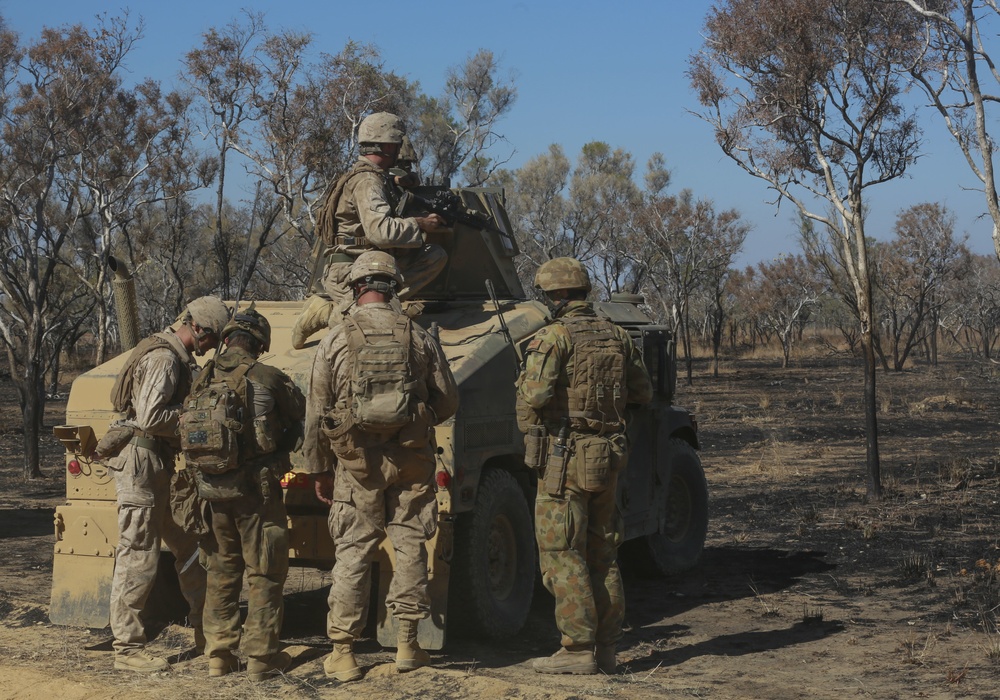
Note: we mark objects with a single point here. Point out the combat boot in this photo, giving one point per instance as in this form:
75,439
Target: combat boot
409,655
223,664
575,659
341,664
607,659
140,660
313,318
263,667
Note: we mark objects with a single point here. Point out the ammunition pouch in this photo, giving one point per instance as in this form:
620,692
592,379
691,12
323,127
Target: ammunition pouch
185,505
536,447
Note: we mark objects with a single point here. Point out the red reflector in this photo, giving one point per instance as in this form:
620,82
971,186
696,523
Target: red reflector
74,468
291,480
443,479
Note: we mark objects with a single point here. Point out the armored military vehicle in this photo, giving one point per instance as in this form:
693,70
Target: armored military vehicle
482,560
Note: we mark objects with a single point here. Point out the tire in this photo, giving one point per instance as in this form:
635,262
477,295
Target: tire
493,569
677,545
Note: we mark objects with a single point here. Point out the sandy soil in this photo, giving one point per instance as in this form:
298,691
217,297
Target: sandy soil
804,590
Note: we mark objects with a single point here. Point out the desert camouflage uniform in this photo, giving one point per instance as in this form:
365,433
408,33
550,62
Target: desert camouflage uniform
578,534
250,533
380,487
143,472
366,220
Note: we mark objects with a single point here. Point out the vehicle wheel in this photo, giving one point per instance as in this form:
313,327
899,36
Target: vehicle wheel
493,569
677,546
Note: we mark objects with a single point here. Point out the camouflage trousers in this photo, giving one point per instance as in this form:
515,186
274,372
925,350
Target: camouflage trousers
249,536
578,537
144,519
419,267
404,508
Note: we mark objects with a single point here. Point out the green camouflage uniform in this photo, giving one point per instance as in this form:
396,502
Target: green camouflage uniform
249,534
381,488
578,533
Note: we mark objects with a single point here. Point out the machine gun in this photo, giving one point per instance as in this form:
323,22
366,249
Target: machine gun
450,207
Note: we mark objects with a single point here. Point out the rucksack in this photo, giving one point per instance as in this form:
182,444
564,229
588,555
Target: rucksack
214,416
382,398
596,395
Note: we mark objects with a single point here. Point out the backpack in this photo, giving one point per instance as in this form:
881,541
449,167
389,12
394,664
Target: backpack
121,392
381,388
213,417
596,395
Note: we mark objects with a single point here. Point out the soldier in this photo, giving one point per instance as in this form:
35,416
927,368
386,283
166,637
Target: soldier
579,373
149,391
381,442
246,514
360,215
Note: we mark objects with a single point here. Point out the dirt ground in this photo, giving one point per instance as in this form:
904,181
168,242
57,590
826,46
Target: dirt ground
804,591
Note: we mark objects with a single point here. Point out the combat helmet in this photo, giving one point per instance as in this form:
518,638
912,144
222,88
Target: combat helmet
562,273
381,127
210,313
375,263
407,154
253,323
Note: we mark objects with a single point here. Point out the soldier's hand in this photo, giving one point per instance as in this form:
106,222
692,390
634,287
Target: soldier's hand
432,223
324,487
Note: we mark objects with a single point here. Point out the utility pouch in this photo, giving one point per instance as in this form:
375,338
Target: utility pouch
113,441
593,463
414,434
227,486
555,467
536,447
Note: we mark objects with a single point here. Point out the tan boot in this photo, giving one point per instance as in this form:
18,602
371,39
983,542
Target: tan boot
341,664
607,659
223,664
409,655
313,318
140,660
576,660
263,667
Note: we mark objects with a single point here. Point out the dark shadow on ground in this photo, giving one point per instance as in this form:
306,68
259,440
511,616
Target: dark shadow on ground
17,523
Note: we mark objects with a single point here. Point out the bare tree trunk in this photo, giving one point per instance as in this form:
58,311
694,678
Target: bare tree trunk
874,471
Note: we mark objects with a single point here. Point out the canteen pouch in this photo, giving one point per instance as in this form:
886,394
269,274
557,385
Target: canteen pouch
113,441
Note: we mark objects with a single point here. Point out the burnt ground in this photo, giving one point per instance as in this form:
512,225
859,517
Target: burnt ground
804,591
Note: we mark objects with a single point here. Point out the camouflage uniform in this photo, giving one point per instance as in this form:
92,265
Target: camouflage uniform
578,533
366,219
380,487
143,472
250,533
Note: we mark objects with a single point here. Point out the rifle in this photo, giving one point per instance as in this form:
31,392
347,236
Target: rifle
449,206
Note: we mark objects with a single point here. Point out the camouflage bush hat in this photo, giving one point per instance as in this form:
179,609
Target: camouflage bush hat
381,127
374,263
209,313
407,154
253,322
562,273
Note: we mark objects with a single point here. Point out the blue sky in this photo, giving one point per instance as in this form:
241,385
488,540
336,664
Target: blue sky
584,70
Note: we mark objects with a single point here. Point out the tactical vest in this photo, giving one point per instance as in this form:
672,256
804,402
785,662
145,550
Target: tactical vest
214,419
382,398
121,392
326,221
594,401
